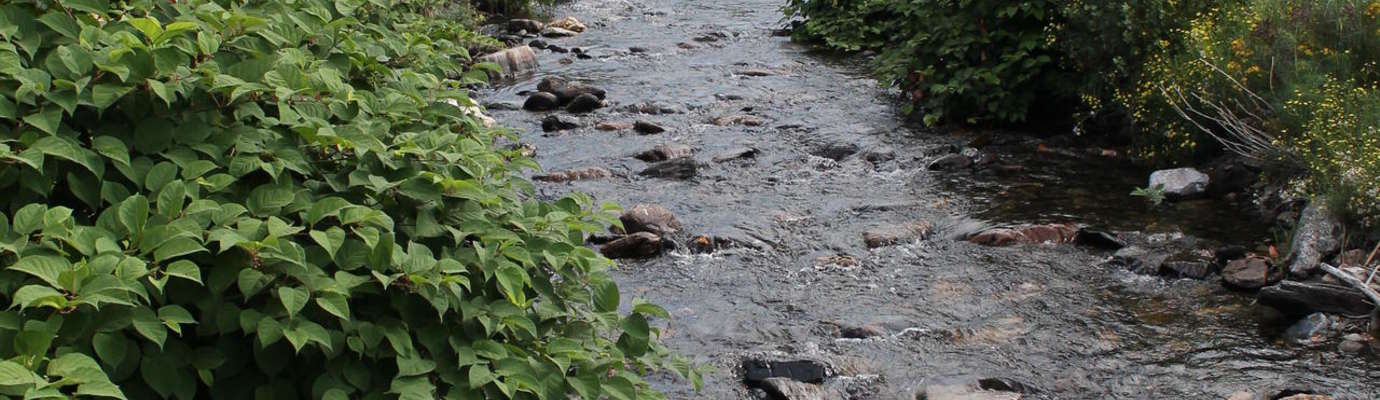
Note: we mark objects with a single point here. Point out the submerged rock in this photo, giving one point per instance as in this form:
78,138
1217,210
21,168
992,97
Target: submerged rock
1180,183
575,175
736,154
1098,239
1308,330
554,123
584,103
892,235
613,126
1034,234
636,245
663,152
1316,236
679,168
647,128
835,151
950,162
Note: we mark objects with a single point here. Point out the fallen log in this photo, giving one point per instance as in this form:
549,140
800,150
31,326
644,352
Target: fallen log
1302,298
1364,288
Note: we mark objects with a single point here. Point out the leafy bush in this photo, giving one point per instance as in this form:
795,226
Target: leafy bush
982,61
273,199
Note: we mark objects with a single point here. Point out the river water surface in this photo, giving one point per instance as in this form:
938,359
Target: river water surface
1052,317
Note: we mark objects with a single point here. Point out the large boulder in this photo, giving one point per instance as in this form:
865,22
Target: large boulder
514,61
1180,183
1317,235
541,101
649,218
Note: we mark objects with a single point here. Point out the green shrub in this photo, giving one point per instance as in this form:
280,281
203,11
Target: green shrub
273,199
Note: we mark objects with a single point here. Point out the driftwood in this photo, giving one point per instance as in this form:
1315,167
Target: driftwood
1303,298
1364,287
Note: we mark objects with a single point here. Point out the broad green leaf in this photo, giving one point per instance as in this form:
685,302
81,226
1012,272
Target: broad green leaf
47,268
69,150
414,366
111,347
293,299
13,374
148,26
111,148
174,316
330,240
251,281
513,280
176,248
620,388
39,296
78,368
269,332
186,270
46,120
100,389
147,323
335,304
606,297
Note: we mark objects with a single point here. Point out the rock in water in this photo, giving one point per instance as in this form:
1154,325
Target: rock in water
554,32
736,154
541,101
1034,234
584,103
574,175
637,245
519,25
1250,273
1180,183
950,163
663,152
1302,298
680,168
647,128
892,235
554,123
514,61
551,83
1316,236
568,23
1310,329
649,218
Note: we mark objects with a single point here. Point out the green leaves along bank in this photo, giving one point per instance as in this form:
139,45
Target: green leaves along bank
281,199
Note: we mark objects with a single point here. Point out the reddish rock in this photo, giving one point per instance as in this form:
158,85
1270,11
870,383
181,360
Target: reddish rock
1034,234
1251,273
613,126
636,245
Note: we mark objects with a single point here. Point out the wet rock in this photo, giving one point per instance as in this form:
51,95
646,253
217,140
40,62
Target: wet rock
502,106
848,331
1226,254
1006,385
551,83
786,389
1316,236
527,25
554,32
1180,183
1231,176
568,92
513,61
951,162
557,49
636,245
555,123
1352,345
756,370
736,154
649,218
613,126
1034,234
575,175
835,151
538,44
654,108
879,154
687,45
568,23
637,50
892,235
745,120
707,244
1251,273
647,128
1303,298
680,169
1139,259
541,101
755,72
964,391
1308,330
584,103
1098,239
665,152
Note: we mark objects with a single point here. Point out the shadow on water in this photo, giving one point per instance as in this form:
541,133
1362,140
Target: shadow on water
1052,317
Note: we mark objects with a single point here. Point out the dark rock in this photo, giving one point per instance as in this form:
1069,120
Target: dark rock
569,92
1303,298
583,56
574,175
584,103
736,154
554,123
1316,237
755,72
1308,330
649,218
1352,343
950,162
880,154
538,44
551,83
541,101
1180,183
665,152
1006,385
1098,239
636,49
654,108
502,106
1251,273
680,168
647,128
1191,269
613,126
892,235
745,120
787,389
637,245
557,49
1139,259
705,244
848,331
808,371
1227,254
835,151
530,26
1231,177
1034,234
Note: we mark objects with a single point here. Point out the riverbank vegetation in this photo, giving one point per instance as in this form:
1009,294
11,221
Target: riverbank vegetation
1292,83
269,199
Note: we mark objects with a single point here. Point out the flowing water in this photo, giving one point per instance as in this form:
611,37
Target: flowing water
1052,317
